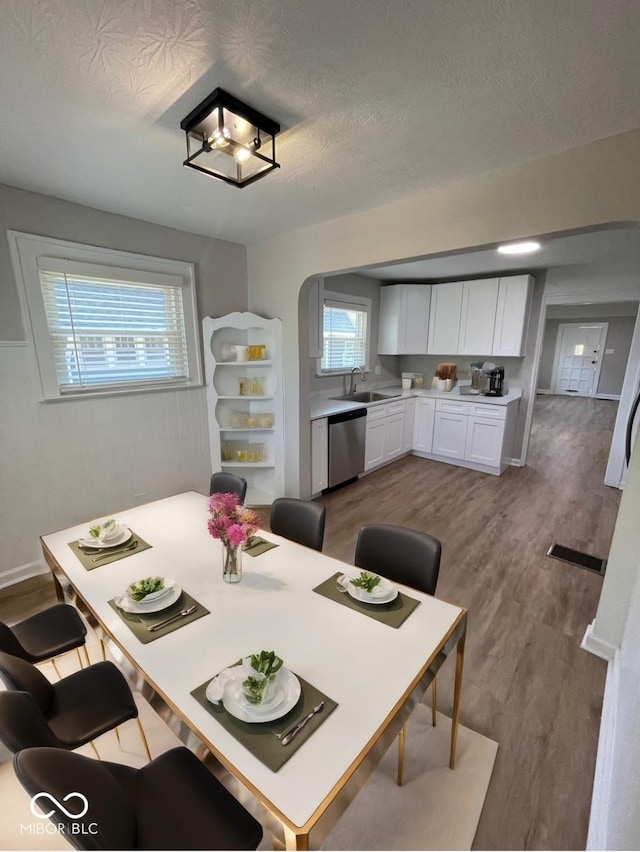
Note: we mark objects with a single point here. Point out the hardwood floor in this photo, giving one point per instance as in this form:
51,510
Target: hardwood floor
527,683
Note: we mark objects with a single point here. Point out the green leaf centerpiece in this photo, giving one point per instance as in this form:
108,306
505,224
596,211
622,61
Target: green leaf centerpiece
147,586
366,581
265,665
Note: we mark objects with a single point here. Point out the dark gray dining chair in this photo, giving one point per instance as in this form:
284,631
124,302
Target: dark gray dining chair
228,483
173,802
46,635
301,521
66,714
406,556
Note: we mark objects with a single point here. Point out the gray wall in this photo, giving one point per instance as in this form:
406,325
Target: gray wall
358,285
156,443
619,336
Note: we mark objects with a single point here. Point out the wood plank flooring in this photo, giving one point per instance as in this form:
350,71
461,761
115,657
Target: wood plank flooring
527,684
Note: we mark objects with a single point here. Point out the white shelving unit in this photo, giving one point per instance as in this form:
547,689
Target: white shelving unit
256,450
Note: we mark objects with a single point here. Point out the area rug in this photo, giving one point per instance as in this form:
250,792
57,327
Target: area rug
435,808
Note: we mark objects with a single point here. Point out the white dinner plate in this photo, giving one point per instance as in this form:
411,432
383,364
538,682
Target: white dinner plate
154,596
123,536
383,593
125,603
287,692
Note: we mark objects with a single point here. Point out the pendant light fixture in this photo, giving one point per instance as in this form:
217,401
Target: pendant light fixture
229,140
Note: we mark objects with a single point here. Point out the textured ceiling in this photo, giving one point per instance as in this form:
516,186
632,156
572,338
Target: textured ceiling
378,99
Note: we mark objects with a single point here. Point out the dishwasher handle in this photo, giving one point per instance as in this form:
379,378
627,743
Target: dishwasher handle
343,416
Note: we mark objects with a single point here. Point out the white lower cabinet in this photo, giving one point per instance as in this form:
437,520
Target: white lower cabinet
319,455
409,422
385,434
374,447
449,435
394,436
423,425
484,440
477,435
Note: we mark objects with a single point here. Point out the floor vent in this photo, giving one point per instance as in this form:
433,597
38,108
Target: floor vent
577,557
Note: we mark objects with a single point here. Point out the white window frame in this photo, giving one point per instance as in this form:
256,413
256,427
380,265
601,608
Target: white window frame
25,251
362,303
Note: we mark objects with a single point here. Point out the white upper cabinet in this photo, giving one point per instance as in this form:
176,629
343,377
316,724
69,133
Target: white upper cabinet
404,319
444,318
483,317
478,316
514,296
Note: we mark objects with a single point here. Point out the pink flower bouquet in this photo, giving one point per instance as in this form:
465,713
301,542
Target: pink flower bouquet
231,522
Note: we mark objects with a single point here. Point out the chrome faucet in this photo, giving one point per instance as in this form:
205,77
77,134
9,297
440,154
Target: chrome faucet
352,386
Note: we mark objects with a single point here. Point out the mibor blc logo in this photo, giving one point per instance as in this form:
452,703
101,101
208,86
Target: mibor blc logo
75,807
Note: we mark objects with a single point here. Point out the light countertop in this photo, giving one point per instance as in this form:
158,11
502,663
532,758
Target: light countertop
323,407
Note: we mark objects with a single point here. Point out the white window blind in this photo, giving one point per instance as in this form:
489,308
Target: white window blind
113,328
345,336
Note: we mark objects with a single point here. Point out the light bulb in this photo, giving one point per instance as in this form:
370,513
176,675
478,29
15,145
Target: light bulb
219,138
241,154
519,248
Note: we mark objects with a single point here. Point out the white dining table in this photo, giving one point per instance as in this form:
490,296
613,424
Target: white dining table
374,672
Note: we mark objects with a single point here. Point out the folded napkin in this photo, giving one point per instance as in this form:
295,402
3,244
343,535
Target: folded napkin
215,690
102,532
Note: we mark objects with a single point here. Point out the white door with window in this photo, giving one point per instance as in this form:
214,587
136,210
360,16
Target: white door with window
579,351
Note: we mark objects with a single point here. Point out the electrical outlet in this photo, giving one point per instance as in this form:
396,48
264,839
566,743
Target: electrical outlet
377,369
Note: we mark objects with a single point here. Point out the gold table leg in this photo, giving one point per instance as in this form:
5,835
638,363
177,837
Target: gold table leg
402,740
456,697
295,841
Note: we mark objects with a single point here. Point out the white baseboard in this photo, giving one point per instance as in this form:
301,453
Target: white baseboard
597,646
22,572
615,396
543,391
598,837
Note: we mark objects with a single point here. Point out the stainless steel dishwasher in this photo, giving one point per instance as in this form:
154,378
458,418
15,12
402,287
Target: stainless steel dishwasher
347,434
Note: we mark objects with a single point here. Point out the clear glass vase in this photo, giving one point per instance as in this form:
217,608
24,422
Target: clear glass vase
232,563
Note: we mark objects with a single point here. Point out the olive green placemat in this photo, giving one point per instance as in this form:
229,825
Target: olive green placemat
89,558
257,545
139,624
392,614
258,737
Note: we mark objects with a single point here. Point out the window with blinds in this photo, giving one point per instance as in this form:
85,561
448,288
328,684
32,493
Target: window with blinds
113,332
102,321
345,335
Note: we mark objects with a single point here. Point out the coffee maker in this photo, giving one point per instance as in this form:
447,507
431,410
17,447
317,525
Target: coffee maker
496,382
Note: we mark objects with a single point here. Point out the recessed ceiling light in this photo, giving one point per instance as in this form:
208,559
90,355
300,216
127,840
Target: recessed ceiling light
519,248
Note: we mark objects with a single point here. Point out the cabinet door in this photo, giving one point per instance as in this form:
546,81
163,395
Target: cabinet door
423,425
484,440
390,320
416,299
319,455
444,318
394,437
478,317
409,422
404,319
514,296
374,446
449,435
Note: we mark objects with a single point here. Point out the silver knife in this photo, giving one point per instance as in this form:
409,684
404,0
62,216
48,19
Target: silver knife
287,739
173,618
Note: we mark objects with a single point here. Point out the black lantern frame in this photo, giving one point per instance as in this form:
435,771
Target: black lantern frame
229,140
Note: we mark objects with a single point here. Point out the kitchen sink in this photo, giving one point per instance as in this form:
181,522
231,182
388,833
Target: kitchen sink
365,396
